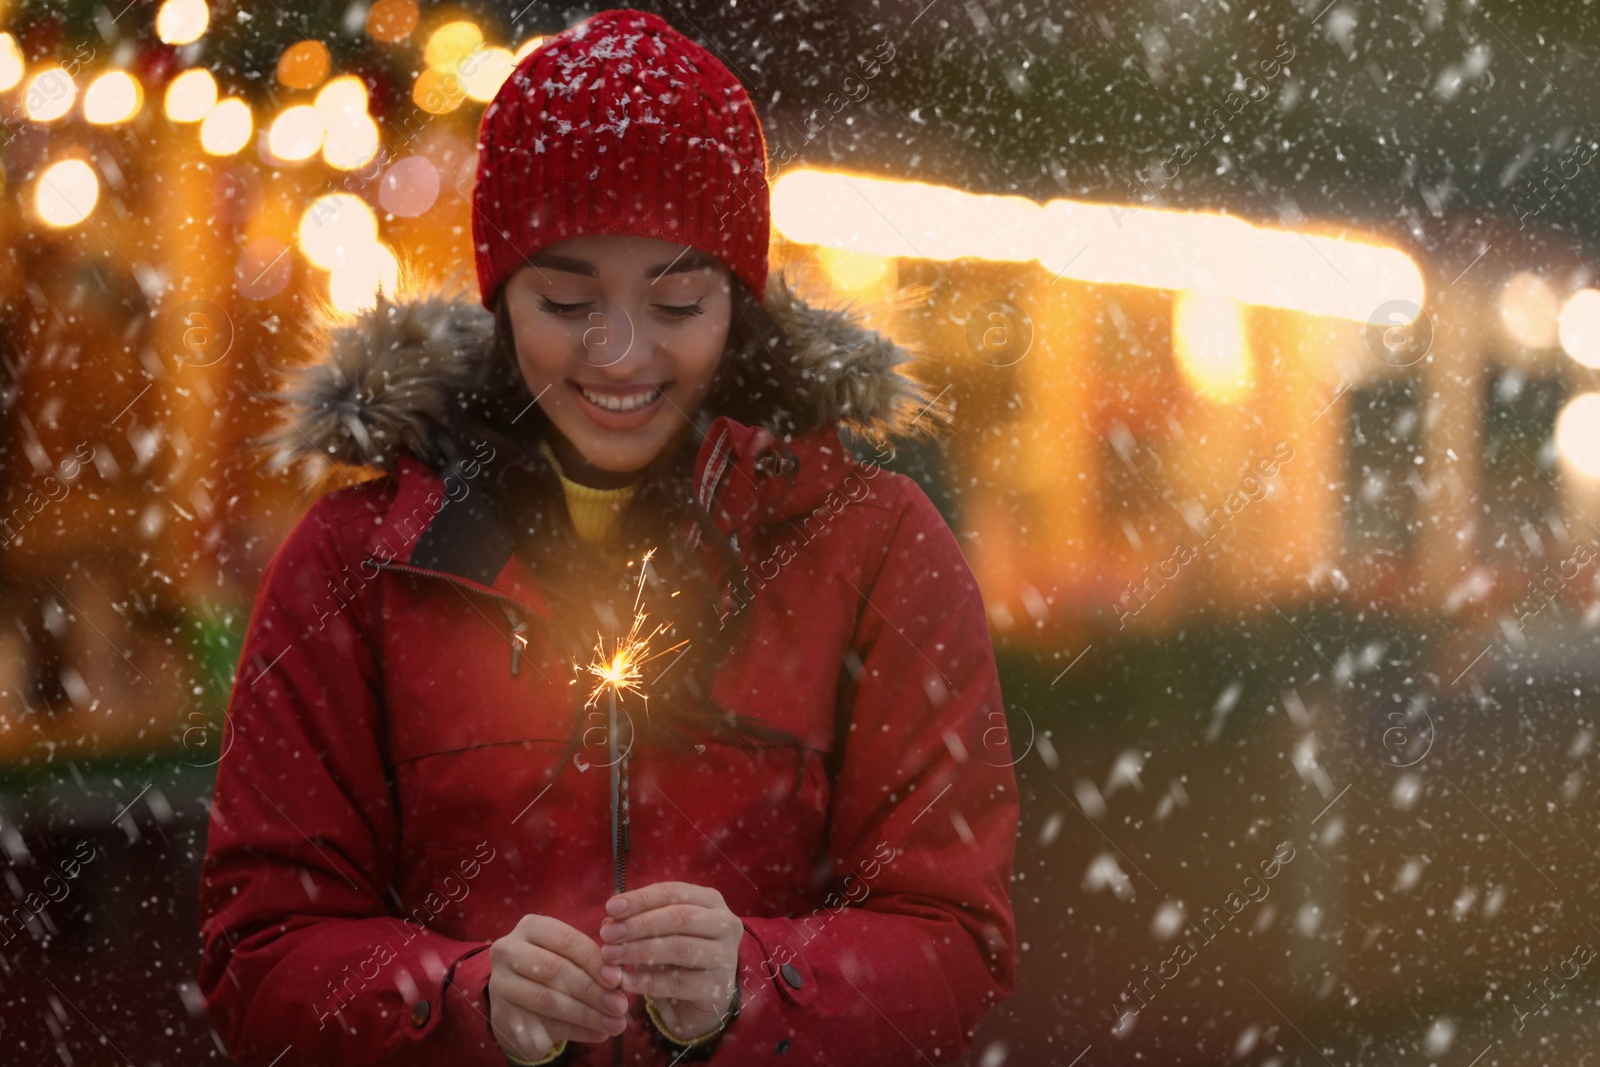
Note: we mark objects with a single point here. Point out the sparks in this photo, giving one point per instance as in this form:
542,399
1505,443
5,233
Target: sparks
620,670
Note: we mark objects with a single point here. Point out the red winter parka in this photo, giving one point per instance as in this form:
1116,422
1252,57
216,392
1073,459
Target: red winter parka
388,802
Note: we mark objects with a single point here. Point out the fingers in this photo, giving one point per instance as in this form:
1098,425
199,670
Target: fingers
529,968
566,1032
531,1036
565,941
692,920
680,939
562,1014
521,1034
547,983
677,951
682,984
659,894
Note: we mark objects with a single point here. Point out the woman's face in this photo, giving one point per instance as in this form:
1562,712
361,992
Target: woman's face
618,338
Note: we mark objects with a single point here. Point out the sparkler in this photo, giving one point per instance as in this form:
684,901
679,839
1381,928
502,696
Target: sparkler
622,671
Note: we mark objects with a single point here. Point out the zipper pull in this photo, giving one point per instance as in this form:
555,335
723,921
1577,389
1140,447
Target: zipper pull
519,639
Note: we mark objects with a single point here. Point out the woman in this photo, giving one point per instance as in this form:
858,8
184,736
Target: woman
431,841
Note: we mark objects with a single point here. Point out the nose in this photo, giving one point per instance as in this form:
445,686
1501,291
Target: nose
609,336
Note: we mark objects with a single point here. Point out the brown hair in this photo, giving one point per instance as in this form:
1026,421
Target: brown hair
758,382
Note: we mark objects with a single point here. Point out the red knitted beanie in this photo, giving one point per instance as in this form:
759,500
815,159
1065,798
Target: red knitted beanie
620,125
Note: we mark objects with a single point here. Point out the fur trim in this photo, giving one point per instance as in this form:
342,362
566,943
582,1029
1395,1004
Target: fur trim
388,377
856,372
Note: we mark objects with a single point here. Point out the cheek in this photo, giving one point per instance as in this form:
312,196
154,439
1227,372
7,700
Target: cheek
699,353
542,348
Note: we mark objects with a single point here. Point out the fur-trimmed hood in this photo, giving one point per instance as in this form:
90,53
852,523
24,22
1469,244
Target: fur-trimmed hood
386,381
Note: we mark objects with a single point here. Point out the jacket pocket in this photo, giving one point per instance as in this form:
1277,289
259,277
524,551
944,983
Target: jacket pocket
448,687
416,732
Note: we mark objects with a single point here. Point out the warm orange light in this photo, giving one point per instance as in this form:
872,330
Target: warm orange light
296,134
191,95
227,127
438,92
1578,434
1104,243
892,218
621,670
450,44
391,20
1579,327
1529,310
857,272
112,98
1210,345
303,65
182,21
66,193
483,72
346,93
11,65
334,226
352,140
367,270
49,95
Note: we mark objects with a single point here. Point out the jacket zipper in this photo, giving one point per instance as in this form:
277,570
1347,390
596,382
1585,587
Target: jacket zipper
519,637
519,628
621,814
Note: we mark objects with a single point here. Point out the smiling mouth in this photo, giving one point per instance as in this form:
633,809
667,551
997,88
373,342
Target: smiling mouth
621,402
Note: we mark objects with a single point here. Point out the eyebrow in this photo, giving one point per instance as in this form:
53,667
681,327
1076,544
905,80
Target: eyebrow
564,263
688,260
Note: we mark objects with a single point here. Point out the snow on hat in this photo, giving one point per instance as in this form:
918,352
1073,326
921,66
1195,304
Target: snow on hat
620,125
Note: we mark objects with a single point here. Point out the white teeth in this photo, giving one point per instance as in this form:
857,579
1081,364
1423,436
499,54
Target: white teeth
620,403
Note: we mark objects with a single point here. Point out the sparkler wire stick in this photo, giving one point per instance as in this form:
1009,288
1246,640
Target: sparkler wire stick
622,671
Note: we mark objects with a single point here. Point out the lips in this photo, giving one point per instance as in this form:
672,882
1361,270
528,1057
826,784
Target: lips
620,409
621,401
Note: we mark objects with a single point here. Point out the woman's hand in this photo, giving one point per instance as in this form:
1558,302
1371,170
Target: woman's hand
683,945
547,983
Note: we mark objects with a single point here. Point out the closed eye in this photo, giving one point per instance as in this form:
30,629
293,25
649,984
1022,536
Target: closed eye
560,309
682,311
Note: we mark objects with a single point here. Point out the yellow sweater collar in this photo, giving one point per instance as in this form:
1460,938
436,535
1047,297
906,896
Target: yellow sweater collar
596,513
